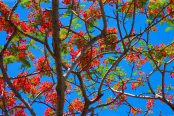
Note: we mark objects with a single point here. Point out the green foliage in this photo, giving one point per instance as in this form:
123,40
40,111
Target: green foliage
9,59
169,28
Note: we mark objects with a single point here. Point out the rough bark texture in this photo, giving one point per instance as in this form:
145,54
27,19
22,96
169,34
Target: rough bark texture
60,88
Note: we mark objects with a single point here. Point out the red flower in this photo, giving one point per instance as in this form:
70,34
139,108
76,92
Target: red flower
43,67
49,112
91,13
76,104
135,111
52,98
150,104
45,85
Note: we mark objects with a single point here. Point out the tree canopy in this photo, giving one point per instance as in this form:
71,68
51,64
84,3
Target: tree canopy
82,57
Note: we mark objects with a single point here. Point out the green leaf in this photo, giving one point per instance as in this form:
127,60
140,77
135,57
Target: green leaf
169,29
70,79
75,20
24,3
148,20
9,59
112,75
118,68
83,6
162,22
150,45
25,62
136,73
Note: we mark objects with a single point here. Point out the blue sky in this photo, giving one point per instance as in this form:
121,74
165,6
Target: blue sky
160,36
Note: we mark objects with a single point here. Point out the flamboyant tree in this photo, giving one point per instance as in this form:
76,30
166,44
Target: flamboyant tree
84,56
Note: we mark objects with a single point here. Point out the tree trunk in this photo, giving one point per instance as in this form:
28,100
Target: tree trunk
60,87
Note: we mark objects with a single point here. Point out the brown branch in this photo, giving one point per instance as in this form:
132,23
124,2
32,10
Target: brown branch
133,21
61,86
118,25
103,16
13,9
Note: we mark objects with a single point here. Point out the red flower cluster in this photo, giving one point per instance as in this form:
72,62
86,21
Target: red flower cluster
120,86
91,13
170,10
118,102
46,23
150,104
20,112
49,112
161,52
170,97
76,105
78,40
52,98
1,86
40,17
121,98
108,42
45,85
9,99
4,25
27,84
135,111
43,67
136,59
153,8
86,59
137,83
22,49
67,2
69,89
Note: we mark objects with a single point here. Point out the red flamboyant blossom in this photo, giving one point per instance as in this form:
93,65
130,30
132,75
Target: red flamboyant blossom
150,104
91,13
69,89
76,105
137,59
170,10
171,75
49,112
1,86
27,84
67,2
51,98
20,111
120,86
86,59
43,67
78,40
170,97
45,86
135,111
9,99
137,83
109,43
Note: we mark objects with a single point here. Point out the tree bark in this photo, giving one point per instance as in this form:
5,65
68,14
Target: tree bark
85,109
60,87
